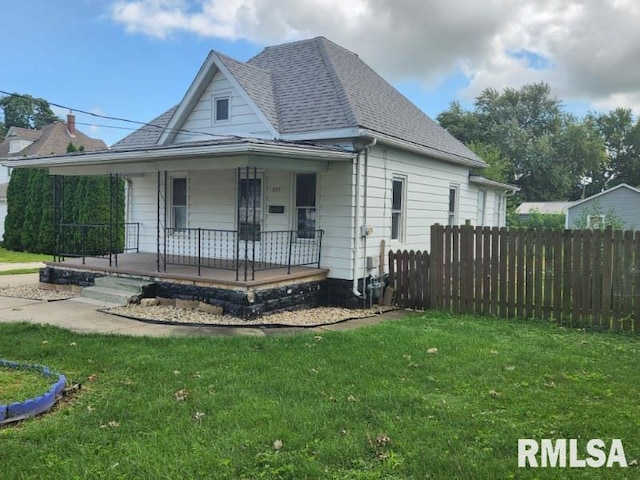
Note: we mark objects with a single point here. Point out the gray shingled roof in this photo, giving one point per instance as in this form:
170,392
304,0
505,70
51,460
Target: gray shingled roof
147,135
314,85
320,85
258,83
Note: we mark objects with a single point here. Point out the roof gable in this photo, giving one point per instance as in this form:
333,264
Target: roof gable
607,192
212,65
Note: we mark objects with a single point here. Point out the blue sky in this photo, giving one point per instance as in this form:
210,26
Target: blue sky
135,58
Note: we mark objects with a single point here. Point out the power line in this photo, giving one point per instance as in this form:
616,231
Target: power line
117,119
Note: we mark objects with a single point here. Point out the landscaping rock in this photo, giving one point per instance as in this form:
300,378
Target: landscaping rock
149,302
187,304
166,302
210,309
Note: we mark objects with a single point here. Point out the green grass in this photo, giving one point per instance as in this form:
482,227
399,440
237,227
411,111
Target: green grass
19,271
331,399
20,384
9,256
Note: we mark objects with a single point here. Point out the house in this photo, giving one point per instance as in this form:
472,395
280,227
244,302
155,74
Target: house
525,209
619,205
51,139
283,181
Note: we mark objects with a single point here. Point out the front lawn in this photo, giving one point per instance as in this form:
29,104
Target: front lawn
431,396
10,256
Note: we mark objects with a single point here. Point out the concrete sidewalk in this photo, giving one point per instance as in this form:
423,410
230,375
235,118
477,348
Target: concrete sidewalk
4,267
82,316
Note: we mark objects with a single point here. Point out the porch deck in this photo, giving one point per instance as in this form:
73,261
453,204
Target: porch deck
144,266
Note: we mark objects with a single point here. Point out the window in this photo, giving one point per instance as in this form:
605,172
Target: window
453,204
179,202
482,201
595,221
306,205
221,109
497,209
397,209
249,208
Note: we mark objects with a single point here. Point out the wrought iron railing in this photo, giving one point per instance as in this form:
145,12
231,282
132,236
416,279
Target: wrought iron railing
101,240
229,250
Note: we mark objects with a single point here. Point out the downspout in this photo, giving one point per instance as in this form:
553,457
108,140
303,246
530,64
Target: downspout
356,223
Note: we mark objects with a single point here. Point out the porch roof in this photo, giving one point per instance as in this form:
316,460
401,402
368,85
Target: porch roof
218,154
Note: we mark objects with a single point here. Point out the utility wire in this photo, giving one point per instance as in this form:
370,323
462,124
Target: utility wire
147,124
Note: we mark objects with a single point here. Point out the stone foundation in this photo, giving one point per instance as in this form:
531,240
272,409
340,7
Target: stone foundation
236,301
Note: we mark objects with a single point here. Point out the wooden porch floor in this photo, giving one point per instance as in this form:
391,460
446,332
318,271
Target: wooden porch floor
144,265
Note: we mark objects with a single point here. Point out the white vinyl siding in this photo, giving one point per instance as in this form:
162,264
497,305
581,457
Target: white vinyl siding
201,121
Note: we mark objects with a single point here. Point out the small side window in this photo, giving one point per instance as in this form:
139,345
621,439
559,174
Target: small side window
397,209
453,205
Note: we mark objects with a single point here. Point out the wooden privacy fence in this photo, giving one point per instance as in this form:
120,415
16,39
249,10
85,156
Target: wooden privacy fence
576,277
409,274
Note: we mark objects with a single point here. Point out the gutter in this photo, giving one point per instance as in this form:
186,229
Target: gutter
356,224
115,157
424,151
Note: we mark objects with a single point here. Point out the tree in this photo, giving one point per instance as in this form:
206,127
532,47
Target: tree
29,224
546,150
26,111
620,132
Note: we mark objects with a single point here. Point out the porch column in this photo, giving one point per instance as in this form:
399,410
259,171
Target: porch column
161,222
58,213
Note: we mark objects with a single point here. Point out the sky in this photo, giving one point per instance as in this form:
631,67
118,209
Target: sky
134,59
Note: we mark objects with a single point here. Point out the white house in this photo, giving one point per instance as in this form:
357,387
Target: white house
301,156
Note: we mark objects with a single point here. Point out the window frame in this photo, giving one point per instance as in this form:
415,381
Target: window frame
172,206
601,221
401,212
298,207
214,107
481,208
452,215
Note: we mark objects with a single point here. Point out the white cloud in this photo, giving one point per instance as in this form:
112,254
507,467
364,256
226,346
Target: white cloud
590,49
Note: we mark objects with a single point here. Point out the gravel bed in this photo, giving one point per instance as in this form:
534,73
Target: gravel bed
32,292
298,318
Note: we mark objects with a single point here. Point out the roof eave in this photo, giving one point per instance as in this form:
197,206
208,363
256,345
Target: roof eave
114,157
423,150
479,180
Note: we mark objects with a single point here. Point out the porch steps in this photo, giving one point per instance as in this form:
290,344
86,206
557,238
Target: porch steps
114,290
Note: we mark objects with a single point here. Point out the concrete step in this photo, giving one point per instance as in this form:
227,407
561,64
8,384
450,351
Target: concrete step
94,302
109,295
130,285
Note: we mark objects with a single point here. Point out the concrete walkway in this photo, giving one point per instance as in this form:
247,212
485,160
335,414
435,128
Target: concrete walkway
82,316
4,267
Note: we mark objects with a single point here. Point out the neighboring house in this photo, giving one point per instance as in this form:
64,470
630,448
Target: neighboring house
52,139
301,155
622,202
525,209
